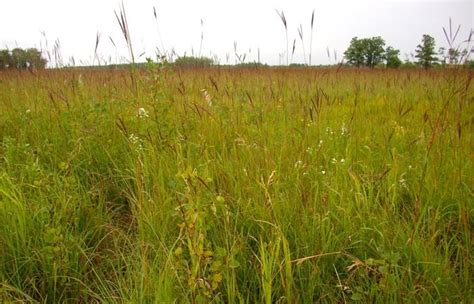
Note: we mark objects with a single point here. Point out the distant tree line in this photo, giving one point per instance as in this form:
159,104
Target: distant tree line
21,59
191,61
368,52
362,52
371,52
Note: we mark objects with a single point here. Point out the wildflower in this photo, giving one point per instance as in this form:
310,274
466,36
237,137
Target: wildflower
136,141
343,130
402,181
27,111
343,160
133,138
323,172
298,163
399,130
345,289
142,113
334,161
309,150
320,143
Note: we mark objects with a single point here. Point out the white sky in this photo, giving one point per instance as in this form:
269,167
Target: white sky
253,24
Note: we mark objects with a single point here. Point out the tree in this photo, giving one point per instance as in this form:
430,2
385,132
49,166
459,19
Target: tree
453,55
355,52
442,55
365,52
5,59
21,59
425,52
374,51
34,59
391,56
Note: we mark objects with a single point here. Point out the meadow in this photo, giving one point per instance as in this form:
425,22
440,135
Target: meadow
236,185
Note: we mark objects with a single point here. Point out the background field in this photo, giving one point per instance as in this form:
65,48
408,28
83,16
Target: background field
236,185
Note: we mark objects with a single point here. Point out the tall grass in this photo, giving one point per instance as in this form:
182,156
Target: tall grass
290,186
311,38
285,24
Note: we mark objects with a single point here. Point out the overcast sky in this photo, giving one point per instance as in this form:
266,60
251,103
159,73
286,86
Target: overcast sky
252,24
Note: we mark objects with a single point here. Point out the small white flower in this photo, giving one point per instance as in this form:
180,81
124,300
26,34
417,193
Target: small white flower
343,160
334,161
323,172
320,143
133,138
410,167
343,130
27,111
142,113
402,181
309,150
298,163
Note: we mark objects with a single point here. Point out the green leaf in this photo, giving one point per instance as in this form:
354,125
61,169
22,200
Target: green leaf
233,263
221,252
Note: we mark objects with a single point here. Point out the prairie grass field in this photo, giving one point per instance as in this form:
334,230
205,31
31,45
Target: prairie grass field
236,185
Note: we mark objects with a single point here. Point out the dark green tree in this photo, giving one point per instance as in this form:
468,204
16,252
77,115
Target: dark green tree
454,55
355,52
5,59
375,52
34,59
365,52
425,52
19,59
391,56
442,55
